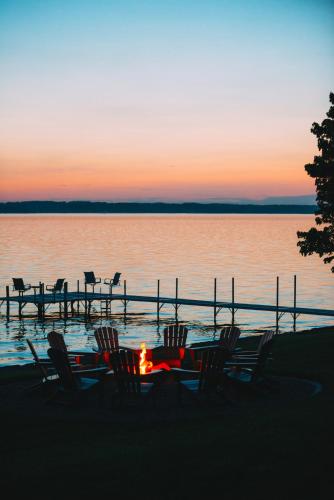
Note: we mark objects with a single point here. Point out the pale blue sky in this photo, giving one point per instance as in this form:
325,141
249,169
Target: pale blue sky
135,87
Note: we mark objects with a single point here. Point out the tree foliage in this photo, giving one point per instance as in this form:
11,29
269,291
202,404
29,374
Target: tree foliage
321,240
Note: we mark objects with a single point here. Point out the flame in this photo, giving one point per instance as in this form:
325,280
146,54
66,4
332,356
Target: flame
144,366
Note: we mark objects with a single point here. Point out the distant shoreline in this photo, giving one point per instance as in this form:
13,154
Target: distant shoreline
85,207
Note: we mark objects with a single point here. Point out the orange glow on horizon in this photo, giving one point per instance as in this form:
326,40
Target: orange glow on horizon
194,178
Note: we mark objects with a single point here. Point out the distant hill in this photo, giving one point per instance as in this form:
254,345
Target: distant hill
25,207
307,199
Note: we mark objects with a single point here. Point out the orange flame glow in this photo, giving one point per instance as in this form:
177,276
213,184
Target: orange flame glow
144,366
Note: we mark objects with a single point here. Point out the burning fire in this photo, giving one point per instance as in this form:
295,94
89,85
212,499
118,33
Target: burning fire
144,366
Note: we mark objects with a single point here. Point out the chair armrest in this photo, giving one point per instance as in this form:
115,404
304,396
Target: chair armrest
102,369
203,348
241,363
182,370
79,353
245,353
107,281
97,280
124,348
49,287
27,287
245,356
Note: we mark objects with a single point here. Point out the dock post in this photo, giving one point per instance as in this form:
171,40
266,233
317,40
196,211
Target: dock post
40,304
43,300
176,298
158,301
233,311
277,303
20,304
215,302
294,302
85,300
20,309
125,301
78,292
65,300
7,303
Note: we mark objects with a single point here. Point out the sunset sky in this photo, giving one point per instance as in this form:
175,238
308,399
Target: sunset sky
173,99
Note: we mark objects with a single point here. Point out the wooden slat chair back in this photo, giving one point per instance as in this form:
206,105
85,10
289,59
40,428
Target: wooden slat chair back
212,369
266,337
56,341
107,339
250,368
229,336
211,379
78,383
125,365
264,353
62,365
175,336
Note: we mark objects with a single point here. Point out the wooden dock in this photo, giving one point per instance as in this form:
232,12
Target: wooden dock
76,302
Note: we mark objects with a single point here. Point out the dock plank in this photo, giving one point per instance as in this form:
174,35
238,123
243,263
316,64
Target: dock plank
90,296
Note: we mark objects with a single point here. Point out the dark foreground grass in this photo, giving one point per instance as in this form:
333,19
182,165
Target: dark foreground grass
261,450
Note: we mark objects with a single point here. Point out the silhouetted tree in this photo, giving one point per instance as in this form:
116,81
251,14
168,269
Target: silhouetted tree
321,241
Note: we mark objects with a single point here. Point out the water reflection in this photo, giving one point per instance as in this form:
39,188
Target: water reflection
253,248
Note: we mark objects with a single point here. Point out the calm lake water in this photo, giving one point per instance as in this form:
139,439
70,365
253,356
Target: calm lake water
195,248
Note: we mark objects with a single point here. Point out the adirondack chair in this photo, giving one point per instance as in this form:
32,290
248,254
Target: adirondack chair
56,341
19,286
210,379
244,353
250,369
175,336
128,380
229,336
115,281
57,287
91,280
77,359
107,339
75,384
46,370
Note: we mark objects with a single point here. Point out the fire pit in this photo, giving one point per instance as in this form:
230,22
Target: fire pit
145,366
165,358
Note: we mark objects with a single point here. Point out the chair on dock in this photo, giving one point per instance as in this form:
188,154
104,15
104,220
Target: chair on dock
74,384
19,286
115,281
90,279
57,287
175,336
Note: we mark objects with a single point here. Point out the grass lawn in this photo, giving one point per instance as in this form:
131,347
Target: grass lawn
264,450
